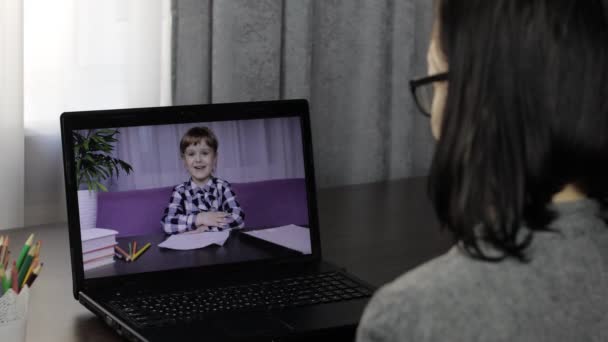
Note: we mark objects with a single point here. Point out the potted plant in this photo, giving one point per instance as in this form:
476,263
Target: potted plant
94,164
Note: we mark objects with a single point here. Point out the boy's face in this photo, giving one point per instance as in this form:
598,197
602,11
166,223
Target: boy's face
199,160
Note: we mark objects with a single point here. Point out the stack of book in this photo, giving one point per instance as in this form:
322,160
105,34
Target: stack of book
97,247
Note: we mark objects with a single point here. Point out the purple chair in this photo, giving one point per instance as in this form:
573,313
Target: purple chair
268,203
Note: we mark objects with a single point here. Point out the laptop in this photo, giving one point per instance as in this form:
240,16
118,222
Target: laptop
143,188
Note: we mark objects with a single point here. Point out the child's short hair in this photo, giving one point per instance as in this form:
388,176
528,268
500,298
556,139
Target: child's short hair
194,136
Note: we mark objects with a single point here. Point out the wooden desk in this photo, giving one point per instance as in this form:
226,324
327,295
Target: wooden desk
377,231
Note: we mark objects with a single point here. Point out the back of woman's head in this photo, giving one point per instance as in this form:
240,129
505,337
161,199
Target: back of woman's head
526,114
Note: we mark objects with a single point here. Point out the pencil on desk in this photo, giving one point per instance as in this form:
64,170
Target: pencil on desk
121,251
34,275
141,251
134,247
130,251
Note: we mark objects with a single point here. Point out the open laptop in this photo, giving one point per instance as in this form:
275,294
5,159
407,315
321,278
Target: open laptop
152,277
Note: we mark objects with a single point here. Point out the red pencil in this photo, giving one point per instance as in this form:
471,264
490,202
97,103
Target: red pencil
15,277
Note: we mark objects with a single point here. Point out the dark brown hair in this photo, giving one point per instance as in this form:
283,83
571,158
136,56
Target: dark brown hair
195,135
526,114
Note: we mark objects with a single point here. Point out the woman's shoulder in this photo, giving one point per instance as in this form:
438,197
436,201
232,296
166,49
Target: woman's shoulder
404,308
467,299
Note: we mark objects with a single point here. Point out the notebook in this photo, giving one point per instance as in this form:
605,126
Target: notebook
217,231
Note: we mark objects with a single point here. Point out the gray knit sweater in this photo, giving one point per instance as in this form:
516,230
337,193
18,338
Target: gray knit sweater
561,295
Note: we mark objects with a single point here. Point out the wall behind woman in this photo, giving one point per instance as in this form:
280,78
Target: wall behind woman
351,59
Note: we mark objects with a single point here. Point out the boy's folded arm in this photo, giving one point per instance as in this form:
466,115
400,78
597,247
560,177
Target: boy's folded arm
175,219
178,223
233,208
237,217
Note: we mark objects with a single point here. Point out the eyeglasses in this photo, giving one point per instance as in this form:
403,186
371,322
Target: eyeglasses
423,91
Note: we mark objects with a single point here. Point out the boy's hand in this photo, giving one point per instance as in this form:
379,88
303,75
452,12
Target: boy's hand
200,229
212,219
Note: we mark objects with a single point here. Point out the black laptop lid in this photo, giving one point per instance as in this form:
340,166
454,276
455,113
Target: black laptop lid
137,177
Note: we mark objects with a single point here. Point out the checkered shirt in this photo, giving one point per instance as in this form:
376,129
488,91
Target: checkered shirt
189,199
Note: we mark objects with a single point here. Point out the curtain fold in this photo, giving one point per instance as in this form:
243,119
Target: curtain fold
11,114
351,59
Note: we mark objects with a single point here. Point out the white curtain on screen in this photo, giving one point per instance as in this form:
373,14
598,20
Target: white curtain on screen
83,55
11,113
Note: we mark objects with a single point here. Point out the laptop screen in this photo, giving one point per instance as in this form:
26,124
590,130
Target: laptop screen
169,196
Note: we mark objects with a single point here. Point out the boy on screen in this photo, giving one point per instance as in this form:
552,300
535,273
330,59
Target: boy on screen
204,202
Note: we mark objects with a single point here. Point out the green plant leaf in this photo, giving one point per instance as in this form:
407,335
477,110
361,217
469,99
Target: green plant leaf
93,154
102,187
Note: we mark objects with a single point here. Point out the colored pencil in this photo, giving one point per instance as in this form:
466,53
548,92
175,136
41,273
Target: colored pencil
6,259
29,271
34,275
5,251
1,277
26,248
15,277
134,247
38,246
130,251
121,251
141,251
25,265
1,250
6,281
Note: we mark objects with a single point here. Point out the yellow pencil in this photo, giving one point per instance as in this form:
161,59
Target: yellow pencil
141,251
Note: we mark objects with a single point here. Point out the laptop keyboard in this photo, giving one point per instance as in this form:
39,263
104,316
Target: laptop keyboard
191,305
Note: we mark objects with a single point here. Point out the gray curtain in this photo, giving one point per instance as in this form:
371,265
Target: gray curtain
351,59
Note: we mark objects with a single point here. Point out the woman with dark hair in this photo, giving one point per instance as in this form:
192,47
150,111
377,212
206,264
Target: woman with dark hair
518,97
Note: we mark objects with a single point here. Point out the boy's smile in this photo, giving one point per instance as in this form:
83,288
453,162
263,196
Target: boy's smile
199,160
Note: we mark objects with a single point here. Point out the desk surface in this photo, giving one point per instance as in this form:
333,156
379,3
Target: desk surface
237,248
377,231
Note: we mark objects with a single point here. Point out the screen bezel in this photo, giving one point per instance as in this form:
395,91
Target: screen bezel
71,121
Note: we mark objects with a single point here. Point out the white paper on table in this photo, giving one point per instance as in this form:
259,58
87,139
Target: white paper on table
185,242
290,236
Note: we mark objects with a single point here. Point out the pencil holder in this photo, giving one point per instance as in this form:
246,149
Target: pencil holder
13,315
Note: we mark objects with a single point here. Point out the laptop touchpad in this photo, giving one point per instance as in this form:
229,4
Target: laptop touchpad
243,325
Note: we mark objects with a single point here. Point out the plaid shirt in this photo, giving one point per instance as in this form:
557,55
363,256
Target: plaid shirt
189,199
